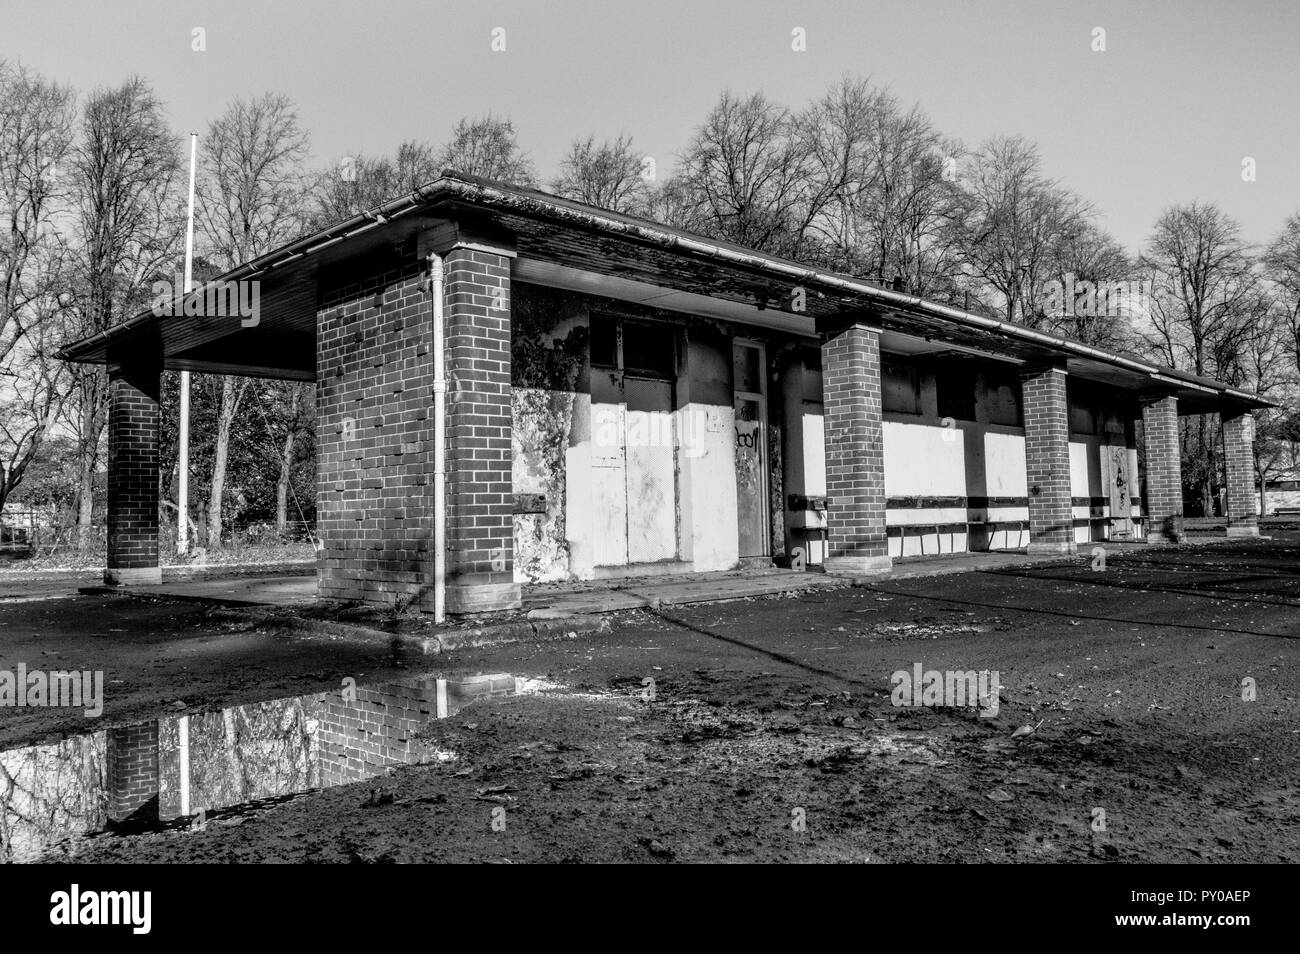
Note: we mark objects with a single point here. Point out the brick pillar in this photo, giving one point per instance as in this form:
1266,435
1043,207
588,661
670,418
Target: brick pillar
1239,467
1164,492
133,389
1047,460
131,774
480,498
374,439
855,454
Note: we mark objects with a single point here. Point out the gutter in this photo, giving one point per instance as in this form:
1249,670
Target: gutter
499,197
484,192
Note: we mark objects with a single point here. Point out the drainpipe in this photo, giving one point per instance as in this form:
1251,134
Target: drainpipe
439,446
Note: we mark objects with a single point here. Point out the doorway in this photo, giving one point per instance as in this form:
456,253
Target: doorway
634,475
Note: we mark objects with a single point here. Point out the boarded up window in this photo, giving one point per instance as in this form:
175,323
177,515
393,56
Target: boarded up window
900,385
604,341
649,349
812,377
1002,397
1083,418
955,382
747,370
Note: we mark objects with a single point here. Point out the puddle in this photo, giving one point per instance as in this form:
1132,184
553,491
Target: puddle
148,774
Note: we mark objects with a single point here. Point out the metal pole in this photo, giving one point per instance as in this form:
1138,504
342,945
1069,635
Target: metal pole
183,453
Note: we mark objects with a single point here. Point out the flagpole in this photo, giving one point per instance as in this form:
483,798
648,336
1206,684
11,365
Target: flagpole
183,463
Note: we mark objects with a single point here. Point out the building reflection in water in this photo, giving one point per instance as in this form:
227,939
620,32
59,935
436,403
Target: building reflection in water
147,773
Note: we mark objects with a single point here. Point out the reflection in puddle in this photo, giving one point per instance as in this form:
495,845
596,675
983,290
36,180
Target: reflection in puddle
152,772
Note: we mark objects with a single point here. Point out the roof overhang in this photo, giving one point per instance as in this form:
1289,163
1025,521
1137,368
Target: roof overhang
567,244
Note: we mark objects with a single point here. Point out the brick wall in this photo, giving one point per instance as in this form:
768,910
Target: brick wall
131,774
1047,460
1164,490
375,436
381,728
133,391
1239,467
855,465
480,501
375,439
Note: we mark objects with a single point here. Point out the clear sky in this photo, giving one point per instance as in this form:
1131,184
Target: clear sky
1184,91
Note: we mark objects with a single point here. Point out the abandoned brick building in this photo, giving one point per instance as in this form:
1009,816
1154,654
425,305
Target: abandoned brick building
623,398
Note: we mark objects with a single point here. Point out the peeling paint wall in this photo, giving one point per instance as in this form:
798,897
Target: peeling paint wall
674,492
549,378
543,423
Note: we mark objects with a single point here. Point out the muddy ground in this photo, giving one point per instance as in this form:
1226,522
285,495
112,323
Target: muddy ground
766,711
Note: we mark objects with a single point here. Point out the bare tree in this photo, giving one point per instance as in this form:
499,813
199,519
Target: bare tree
1278,430
251,201
1104,313
839,136
1263,362
885,200
36,119
297,421
1277,440
608,175
31,399
1205,305
128,227
1202,282
746,176
487,147
357,182
1015,219
1281,261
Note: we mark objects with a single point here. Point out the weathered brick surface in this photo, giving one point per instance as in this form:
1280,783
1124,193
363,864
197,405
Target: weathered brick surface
375,439
131,773
133,392
375,430
1164,490
1239,469
480,499
855,464
382,727
1047,460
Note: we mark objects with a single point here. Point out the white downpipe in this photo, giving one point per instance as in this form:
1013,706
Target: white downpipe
439,446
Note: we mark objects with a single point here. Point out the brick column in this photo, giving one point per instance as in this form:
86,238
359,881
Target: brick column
1239,468
374,439
1047,460
1164,492
480,500
855,454
133,390
131,774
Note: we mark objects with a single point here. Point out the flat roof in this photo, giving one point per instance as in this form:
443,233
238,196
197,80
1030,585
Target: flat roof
626,248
